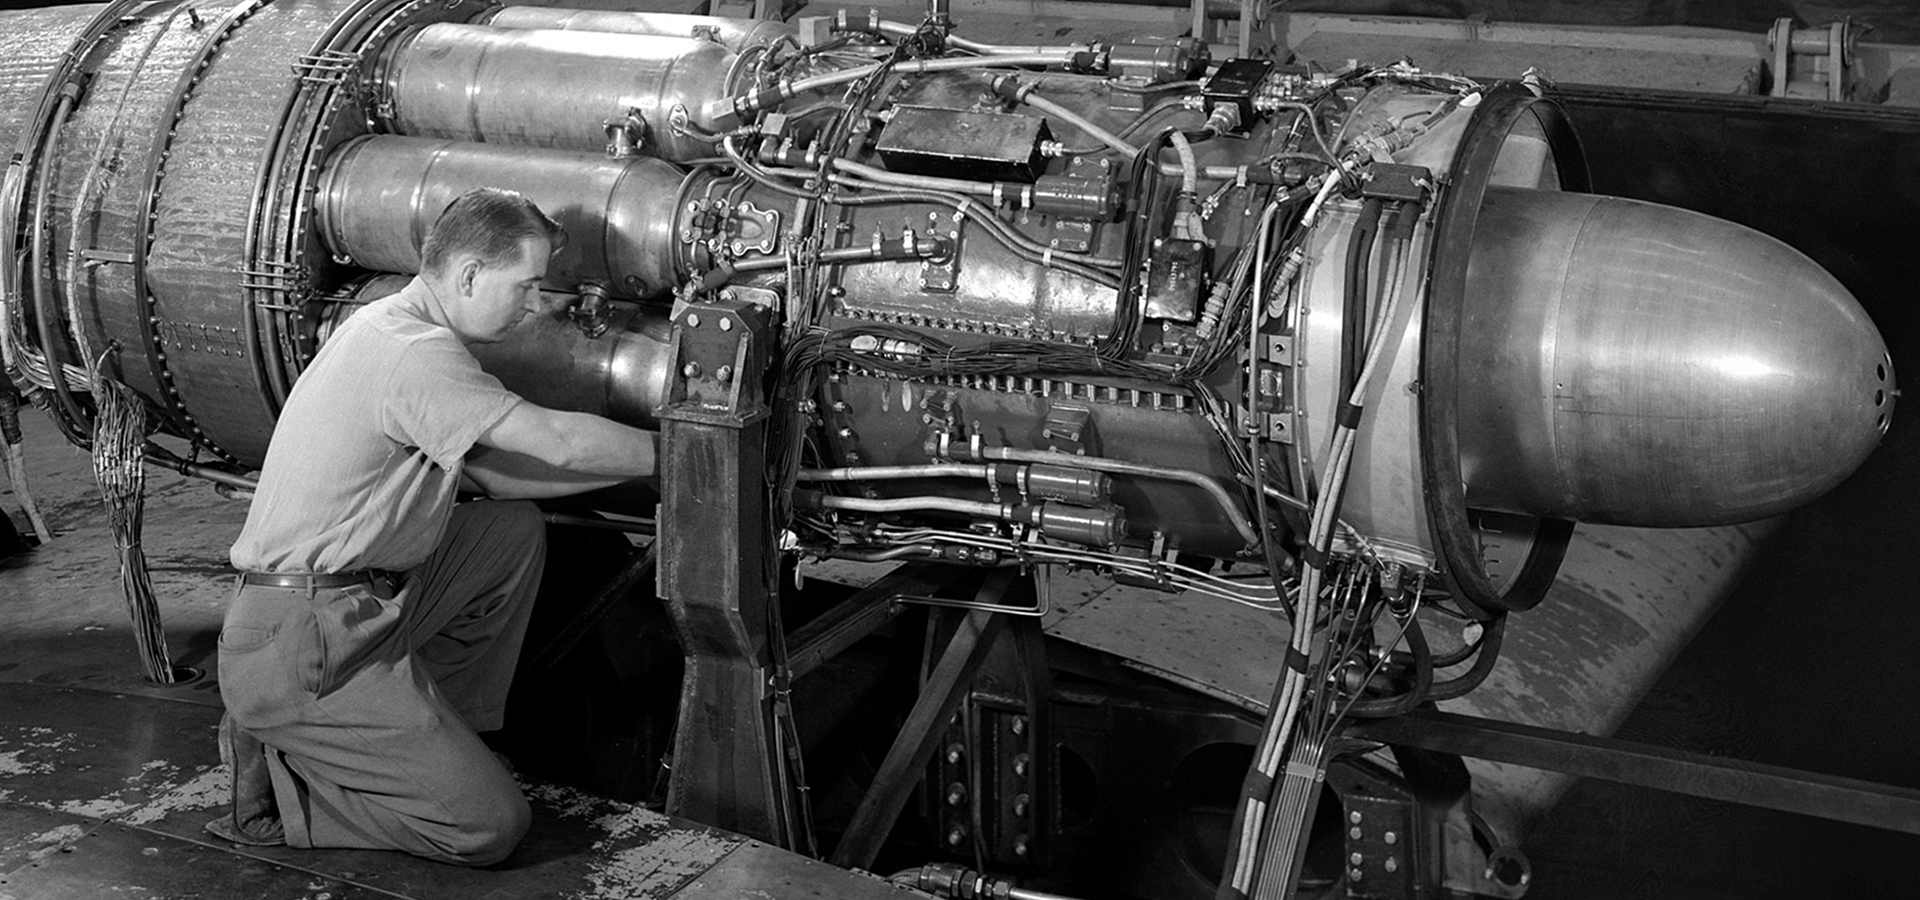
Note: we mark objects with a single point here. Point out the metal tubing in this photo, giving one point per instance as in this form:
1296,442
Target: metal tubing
923,66
733,34
1033,99
46,312
884,473
548,88
916,504
379,194
1120,467
902,29
833,631
922,182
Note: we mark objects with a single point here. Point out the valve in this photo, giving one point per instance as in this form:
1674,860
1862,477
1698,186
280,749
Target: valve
627,135
591,313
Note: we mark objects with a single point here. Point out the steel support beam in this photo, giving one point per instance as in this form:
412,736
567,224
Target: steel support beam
940,697
714,554
1693,774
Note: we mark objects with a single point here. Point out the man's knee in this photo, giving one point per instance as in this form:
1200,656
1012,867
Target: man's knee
490,828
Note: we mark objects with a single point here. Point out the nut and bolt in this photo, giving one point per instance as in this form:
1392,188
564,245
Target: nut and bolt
724,373
956,794
1021,764
1019,725
955,753
691,370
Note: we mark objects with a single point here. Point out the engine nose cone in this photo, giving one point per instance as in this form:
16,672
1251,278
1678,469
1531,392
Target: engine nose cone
1636,364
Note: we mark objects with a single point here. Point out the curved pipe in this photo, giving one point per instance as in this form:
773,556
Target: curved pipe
1032,98
1141,470
902,29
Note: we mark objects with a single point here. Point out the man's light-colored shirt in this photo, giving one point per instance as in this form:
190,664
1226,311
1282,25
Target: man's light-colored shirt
366,457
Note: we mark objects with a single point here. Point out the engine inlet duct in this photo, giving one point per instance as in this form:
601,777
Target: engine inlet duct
1275,315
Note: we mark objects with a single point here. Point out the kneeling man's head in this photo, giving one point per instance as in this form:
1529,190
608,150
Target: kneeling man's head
485,257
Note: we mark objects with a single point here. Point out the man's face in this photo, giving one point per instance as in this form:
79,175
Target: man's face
498,297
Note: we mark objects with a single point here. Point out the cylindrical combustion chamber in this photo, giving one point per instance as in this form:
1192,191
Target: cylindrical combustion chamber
733,34
549,88
548,360
379,195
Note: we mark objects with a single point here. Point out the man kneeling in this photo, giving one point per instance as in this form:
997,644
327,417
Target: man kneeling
376,625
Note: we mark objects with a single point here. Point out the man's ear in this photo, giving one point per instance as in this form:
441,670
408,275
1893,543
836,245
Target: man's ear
468,271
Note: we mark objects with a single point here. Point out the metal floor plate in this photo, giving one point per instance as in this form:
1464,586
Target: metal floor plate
102,793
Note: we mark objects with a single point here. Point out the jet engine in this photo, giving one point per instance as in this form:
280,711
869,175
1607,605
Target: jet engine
1341,345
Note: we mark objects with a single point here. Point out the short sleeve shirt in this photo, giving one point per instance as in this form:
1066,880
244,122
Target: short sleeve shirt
367,454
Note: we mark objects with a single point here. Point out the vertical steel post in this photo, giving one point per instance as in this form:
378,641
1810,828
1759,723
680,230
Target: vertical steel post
715,550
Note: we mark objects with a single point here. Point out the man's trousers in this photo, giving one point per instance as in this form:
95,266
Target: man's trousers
368,696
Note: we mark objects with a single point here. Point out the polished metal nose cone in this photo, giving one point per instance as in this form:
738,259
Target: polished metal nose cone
1636,364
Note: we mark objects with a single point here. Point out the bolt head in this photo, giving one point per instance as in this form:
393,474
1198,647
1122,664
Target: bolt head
691,370
693,320
726,324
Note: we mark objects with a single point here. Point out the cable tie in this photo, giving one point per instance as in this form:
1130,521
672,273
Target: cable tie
1348,415
1303,771
1314,557
1296,660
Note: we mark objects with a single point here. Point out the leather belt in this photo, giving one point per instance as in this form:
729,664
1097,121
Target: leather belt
312,581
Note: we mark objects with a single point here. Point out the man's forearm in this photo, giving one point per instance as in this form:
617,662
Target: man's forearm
514,476
596,446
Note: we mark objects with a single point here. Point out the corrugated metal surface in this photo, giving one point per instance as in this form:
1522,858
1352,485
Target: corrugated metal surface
124,103
31,44
204,202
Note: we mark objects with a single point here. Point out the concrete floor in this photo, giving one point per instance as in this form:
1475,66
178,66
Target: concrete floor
106,779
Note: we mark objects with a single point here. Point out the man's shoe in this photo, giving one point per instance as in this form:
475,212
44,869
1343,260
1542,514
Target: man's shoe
254,820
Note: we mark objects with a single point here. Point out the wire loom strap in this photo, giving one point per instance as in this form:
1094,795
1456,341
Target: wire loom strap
1296,660
1348,415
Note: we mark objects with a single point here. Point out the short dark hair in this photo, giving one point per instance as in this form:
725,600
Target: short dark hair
489,223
